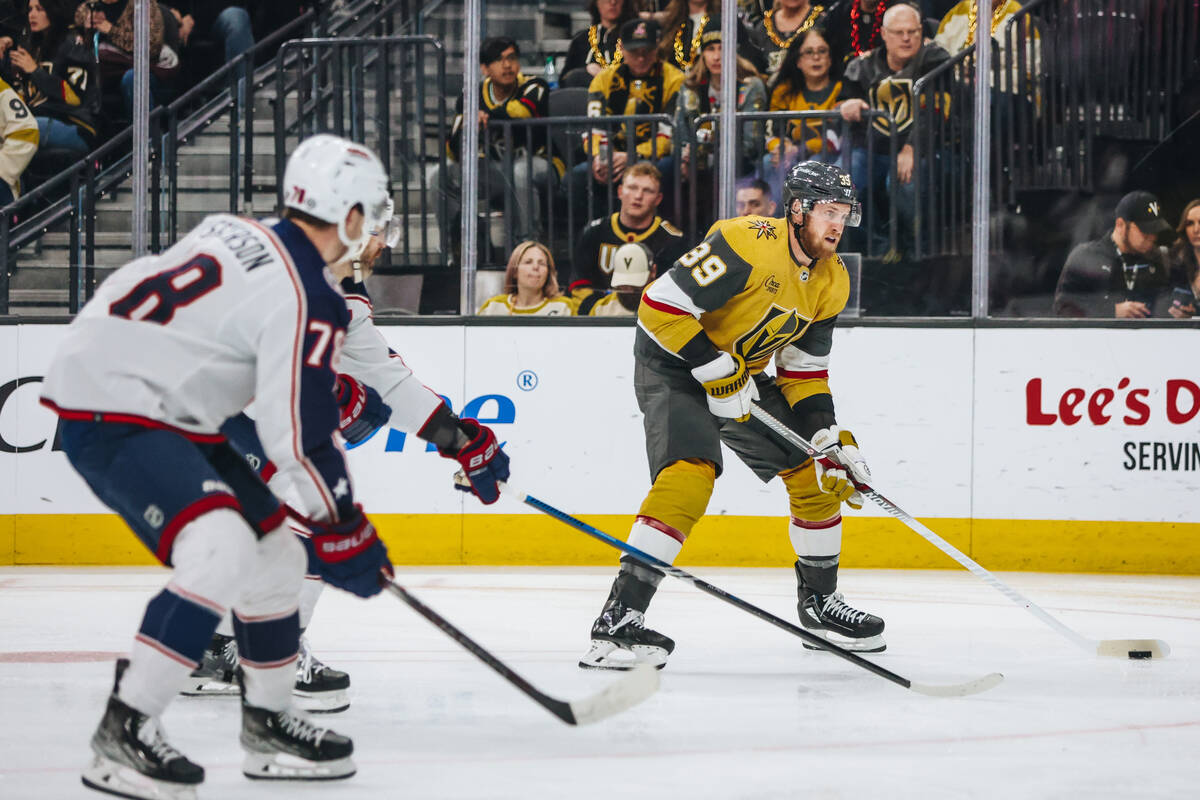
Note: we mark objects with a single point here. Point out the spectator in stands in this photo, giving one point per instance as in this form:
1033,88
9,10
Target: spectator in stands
882,80
228,23
505,94
637,221
782,25
683,23
1122,274
640,84
530,286
52,69
701,96
1185,262
856,27
113,20
598,46
754,198
633,268
804,82
19,132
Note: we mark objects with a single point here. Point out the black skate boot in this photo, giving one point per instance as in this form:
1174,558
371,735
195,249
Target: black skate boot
827,615
285,745
214,676
319,689
621,626
132,756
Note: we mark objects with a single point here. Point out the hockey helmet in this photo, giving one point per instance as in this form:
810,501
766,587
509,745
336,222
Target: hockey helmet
327,175
812,182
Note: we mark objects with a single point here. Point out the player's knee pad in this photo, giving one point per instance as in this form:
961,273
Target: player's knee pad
680,494
278,568
212,557
805,498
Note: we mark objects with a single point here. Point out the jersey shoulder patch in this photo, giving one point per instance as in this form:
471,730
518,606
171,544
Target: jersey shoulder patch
669,228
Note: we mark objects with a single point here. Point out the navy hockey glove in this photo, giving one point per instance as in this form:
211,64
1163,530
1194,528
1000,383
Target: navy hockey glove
484,463
350,555
362,409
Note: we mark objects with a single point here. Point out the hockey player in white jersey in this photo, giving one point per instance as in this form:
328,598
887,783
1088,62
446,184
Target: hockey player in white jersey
366,364
169,348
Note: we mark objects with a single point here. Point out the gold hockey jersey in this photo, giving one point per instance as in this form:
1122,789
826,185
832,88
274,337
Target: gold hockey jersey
742,291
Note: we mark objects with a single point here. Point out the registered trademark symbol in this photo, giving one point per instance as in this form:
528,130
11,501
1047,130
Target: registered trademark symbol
527,380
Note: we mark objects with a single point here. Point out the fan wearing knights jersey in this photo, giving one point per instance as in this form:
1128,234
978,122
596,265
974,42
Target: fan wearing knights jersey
170,347
366,362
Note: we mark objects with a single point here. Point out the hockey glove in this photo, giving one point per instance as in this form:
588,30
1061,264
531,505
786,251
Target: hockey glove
843,466
350,556
729,387
484,463
362,409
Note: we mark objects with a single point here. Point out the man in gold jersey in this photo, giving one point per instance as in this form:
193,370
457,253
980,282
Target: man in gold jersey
754,289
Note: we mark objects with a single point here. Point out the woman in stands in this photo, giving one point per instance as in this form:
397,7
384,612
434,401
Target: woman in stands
530,286
805,82
597,46
52,69
1185,263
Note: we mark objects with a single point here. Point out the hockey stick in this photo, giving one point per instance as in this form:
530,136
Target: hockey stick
955,690
1118,648
619,695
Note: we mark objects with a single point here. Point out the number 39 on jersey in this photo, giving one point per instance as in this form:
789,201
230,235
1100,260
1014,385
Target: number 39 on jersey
705,265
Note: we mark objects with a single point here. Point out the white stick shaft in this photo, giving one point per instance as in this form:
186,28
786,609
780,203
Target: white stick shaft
891,508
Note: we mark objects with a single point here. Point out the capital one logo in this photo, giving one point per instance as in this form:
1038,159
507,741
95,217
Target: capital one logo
18,440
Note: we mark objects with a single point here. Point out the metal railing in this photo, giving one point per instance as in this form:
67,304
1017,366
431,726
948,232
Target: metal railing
374,91
70,197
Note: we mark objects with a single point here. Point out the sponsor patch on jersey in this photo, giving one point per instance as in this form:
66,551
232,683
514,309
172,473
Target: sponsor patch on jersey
761,228
773,286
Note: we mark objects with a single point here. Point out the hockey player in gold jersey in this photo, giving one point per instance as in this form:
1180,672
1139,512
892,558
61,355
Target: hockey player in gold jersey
754,289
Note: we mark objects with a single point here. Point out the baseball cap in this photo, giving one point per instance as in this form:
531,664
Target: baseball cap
1143,209
631,265
637,33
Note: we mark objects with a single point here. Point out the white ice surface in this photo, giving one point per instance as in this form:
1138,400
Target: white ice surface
744,711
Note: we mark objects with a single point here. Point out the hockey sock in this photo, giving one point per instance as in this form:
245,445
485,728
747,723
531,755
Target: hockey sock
267,621
210,556
267,652
815,529
680,495
310,592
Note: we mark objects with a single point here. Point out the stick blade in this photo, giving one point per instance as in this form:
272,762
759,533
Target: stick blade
625,693
976,686
1133,648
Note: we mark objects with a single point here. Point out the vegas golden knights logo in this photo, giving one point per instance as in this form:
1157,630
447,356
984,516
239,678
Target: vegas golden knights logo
893,95
607,251
777,327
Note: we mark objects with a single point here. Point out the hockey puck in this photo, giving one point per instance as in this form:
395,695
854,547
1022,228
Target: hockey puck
1140,654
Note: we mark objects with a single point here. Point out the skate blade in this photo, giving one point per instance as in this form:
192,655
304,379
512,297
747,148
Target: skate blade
321,702
210,689
869,644
105,775
287,767
601,656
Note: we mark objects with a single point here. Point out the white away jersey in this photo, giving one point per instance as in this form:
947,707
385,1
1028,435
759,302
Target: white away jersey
183,340
367,357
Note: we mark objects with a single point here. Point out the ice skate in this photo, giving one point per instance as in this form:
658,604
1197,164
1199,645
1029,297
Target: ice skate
286,745
620,628
214,676
319,689
828,616
133,758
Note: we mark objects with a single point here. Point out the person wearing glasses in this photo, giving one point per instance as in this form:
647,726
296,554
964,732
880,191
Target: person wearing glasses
804,83
882,80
